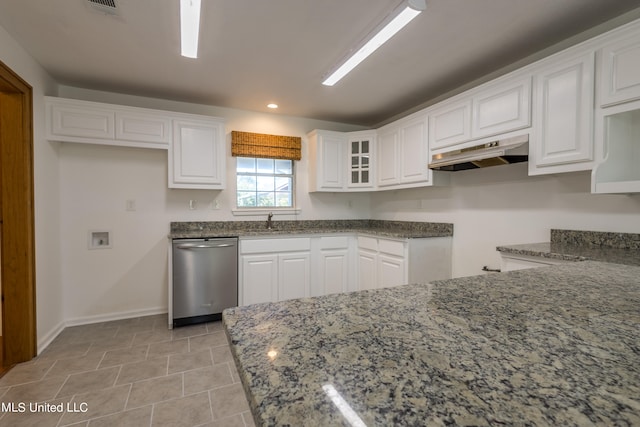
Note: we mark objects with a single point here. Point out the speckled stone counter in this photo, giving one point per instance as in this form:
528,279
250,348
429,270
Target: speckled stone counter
549,346
574,245
398,229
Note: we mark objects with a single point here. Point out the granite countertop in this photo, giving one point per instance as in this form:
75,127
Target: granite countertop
394,229
574,245
554,345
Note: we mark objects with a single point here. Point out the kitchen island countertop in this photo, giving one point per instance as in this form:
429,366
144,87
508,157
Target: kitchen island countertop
556,345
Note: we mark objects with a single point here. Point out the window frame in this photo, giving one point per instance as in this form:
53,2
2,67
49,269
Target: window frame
253,210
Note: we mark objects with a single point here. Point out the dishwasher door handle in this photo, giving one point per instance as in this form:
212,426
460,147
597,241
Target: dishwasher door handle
200,246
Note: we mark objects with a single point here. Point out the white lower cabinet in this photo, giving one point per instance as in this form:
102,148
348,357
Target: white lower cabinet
384,262
280,268
381,262
294,275
274,269
258,279
333,269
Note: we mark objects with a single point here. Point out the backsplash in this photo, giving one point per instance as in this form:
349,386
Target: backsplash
596,238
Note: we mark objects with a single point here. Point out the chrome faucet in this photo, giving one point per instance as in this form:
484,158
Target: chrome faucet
269,221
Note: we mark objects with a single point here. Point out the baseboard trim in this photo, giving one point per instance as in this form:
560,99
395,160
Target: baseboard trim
46,340
98,318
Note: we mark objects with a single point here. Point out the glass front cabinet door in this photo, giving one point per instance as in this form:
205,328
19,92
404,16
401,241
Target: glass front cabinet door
360,162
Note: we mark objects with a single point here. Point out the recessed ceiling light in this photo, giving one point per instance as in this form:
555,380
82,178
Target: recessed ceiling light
272,105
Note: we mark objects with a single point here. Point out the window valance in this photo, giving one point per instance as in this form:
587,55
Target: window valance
247,144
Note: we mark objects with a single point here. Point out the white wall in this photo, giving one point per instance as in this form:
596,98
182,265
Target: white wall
96,181
48,283
502,206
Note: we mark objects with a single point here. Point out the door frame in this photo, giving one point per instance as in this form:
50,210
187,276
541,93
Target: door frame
17,229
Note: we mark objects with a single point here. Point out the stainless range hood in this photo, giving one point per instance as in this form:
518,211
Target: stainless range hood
500,152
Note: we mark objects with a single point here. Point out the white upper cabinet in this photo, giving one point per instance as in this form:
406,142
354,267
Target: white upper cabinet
327,153
72,120
501,107
403,154
617,124
196,144
388,148
361,147
620,76
198,154
143,127
617,137
450,124
498,107
413,151
562,137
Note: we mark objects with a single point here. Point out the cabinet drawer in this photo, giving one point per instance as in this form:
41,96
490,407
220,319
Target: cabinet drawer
274,245
370,243
338,242
391,247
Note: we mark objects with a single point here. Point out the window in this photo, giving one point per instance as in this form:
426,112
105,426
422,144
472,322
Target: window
264,182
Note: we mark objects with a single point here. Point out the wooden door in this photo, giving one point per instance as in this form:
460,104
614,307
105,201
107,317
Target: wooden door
17,219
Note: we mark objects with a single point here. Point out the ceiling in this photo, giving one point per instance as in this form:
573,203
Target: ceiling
254,52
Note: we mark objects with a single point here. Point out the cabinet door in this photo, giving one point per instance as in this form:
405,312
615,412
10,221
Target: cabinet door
147,128
360,160
450,124
501,108
620,76
391,271
334,271
293,275
327,152
259,278
387,170
413,151
79,120
564,117
367,269
197,156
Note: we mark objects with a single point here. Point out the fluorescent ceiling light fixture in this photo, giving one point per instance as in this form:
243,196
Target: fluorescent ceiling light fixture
189,27
401,17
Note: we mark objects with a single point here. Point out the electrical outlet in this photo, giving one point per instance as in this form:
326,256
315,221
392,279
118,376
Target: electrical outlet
216,204
130,205
193,204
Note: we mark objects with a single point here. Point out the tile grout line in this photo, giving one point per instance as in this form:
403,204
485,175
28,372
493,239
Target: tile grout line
213,418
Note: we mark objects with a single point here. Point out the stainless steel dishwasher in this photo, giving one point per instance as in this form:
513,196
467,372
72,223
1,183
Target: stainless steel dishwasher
205,279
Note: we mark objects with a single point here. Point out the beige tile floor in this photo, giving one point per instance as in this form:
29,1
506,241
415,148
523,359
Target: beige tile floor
132,372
